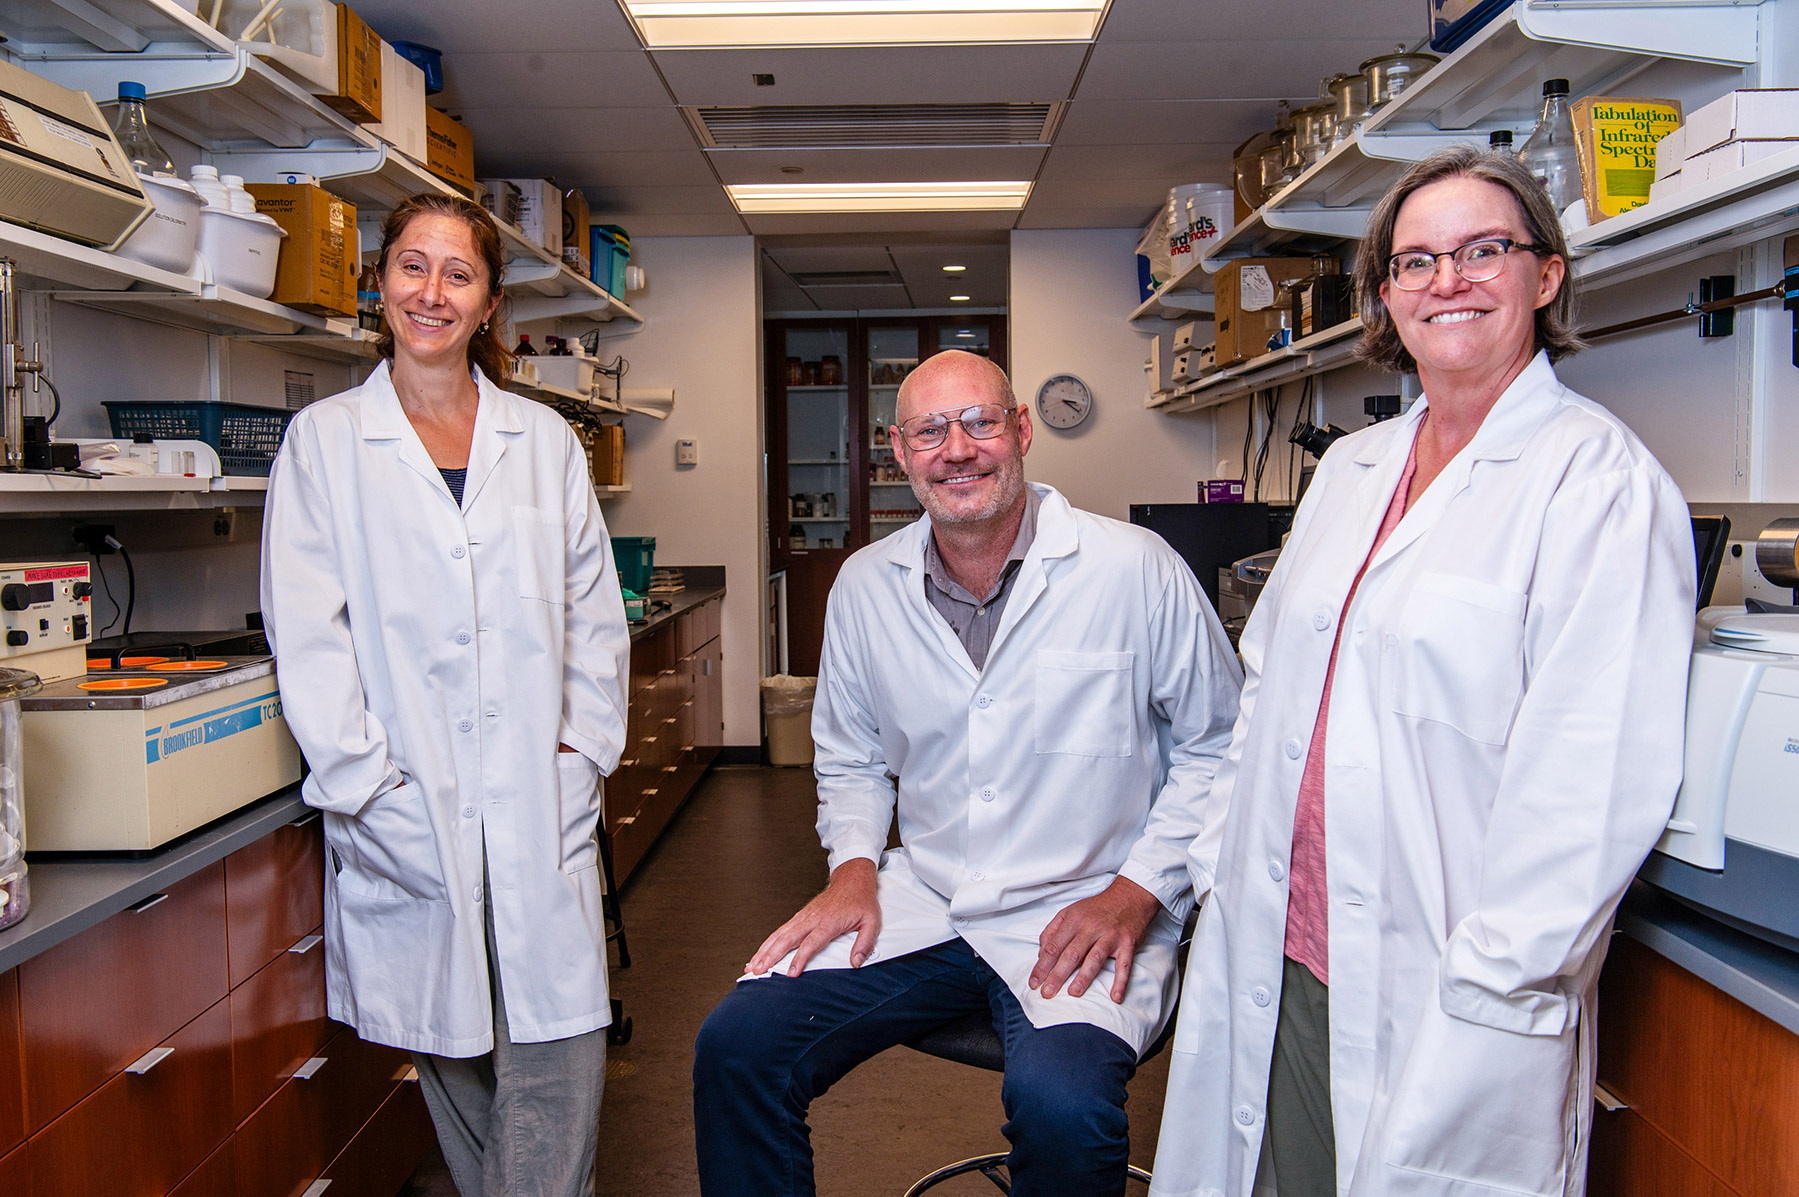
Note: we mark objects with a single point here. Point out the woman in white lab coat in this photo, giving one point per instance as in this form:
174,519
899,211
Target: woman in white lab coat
439,592
1460,735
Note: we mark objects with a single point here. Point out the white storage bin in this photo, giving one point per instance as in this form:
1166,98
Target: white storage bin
242,249
570,373
166,240
304,36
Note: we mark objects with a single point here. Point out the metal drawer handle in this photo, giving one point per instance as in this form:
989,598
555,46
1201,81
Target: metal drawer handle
308,1070
647,793
303,946
149,1060
627,820
152,900
1608,1101
670,768
316,1188
626,764
306,819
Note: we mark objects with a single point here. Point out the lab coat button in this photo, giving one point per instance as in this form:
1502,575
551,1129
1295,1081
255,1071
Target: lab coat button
465,725
457,552
1260,995
1392,640
1245,1115
477,893
960,922
1321,620
468,812
462,637
1294,748
984,701
988,793
1276,870
977,876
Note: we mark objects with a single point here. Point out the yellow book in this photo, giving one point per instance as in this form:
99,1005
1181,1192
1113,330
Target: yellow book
1616,136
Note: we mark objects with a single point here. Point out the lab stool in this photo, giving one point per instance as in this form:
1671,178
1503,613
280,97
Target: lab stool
972,1040
619,1033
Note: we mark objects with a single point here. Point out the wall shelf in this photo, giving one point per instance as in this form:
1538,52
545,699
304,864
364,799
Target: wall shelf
1322,351
45,494
1186,296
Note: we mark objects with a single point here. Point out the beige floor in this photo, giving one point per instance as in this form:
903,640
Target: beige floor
741,857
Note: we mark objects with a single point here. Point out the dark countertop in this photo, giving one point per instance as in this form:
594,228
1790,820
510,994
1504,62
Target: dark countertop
679,603
70,893
1759,974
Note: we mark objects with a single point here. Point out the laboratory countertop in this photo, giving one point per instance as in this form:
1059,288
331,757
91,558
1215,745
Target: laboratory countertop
679,603
1759,974
71,892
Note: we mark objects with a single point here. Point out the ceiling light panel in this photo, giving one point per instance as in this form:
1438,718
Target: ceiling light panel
873,125
696,24
879,197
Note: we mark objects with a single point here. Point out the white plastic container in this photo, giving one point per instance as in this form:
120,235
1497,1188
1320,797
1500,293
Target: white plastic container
242,249
166,240
1199,215
205,181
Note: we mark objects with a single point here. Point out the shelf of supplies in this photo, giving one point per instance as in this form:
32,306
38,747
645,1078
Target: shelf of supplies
818,519
608,490
1186,296
43,494
112,26
823,461
1324,350
48,261
356,166
225,312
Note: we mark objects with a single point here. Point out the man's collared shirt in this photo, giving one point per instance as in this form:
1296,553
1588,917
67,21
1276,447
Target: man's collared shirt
975,619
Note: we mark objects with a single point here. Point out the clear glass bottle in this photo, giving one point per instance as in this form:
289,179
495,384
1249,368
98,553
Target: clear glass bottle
1500,142
133,130
1550,153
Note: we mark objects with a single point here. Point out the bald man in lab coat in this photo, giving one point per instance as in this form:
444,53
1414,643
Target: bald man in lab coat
1042,696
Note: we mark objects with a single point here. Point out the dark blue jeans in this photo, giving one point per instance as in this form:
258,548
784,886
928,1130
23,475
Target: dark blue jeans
775,1044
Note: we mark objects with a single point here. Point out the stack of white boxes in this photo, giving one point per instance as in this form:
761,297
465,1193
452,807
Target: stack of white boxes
1734,131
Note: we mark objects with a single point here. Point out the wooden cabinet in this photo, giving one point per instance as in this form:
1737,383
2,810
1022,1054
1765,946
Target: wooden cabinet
1711,1086
214,1177
15,1171
92,1005
12,1069
274,895
381,1156
277,1023
674,727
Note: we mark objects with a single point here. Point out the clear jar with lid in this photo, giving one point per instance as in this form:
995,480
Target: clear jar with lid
15,888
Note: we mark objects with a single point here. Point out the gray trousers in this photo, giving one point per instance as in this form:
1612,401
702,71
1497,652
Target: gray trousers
1301,1136
523,1120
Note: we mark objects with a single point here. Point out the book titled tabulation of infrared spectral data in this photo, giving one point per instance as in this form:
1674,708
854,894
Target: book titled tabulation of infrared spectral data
1616,136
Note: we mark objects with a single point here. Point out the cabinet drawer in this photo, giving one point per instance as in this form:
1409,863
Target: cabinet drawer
213,1178
274,894
277,1023
140,1134
1713,1076
1630,1158
387,1148
15,1171
94,1004
12,1067
288,1142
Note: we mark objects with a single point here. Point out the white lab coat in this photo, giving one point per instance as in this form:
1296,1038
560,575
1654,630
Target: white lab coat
1504,746
1083,751
430,659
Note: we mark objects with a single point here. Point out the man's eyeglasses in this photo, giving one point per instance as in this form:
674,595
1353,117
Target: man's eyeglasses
983,422
1478,261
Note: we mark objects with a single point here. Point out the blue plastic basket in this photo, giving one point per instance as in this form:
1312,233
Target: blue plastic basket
245,436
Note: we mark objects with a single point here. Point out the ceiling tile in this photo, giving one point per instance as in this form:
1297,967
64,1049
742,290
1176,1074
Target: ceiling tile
1219,70
557,78
1107,193
1178,163
674,201
1154,20
1135,122
875,223
803,259
585,130
883,165
644,168
873,75
686,224
523,25
1084,218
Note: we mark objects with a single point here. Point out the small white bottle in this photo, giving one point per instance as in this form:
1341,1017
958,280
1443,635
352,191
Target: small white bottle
240,200
206,181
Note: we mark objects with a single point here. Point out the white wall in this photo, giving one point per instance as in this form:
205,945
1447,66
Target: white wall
702,336
1071,290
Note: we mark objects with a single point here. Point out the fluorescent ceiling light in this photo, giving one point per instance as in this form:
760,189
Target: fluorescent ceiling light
958,299
954,269
668,24
753,198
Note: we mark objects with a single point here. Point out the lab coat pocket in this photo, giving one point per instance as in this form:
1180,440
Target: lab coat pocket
1083,703
577,780
1485,1106
1459,659
539,553
392,848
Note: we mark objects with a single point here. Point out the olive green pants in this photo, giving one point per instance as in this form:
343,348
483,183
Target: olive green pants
1301,1138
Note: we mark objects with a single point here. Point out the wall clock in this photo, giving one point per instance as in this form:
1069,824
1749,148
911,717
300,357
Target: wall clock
1063,401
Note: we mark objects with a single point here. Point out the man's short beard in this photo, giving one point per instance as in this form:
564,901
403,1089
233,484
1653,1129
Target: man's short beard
1008,485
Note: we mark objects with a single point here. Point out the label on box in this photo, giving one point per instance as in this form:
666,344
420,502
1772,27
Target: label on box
1255,290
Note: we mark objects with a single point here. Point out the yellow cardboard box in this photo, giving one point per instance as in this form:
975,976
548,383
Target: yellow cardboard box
449,150
317,269
358,95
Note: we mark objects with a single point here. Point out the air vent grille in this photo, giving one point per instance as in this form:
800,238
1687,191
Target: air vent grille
886,125
846,278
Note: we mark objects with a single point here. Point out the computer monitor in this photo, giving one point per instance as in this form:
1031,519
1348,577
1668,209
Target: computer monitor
1711,537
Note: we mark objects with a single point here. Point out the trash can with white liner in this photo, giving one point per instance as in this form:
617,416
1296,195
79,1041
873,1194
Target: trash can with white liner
787,710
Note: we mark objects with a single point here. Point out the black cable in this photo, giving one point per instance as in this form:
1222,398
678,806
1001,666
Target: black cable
130,583
107,587
55,395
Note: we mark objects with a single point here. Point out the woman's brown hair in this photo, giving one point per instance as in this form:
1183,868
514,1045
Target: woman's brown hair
485,349
1380,344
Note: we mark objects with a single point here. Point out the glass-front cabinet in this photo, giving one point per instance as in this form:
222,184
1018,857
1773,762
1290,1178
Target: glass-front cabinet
892,354
817,414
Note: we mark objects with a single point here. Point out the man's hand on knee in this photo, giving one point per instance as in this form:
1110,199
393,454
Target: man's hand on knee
1078,941
848,903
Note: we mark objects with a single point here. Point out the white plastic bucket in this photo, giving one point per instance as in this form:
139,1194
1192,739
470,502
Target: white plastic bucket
242,249
1199,214
166,240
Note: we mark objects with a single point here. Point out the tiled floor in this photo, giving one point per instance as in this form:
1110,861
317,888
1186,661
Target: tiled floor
739,859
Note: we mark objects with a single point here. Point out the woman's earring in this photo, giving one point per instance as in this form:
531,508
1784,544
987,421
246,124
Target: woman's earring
484,326
380,304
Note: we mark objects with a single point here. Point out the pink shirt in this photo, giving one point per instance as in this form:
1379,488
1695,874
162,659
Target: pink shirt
1308,909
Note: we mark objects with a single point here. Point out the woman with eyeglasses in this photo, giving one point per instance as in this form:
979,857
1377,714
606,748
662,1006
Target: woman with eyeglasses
1460,735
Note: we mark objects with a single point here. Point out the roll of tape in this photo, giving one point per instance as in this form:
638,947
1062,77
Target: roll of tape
1777,552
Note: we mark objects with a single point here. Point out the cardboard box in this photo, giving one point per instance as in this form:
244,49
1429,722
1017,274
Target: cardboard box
1670,152
1616,137
1730,157
540,212
402,123
1668,185
358,94
317,269
1247,314
1765,114
576,223
449,150
609,455
1221,490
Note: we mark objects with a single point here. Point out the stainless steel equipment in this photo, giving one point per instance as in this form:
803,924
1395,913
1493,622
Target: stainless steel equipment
1390,74
45,617
1777,552
1350,94
130,770
15,887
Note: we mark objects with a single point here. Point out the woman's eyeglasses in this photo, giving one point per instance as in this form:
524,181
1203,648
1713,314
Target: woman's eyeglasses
1478,262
